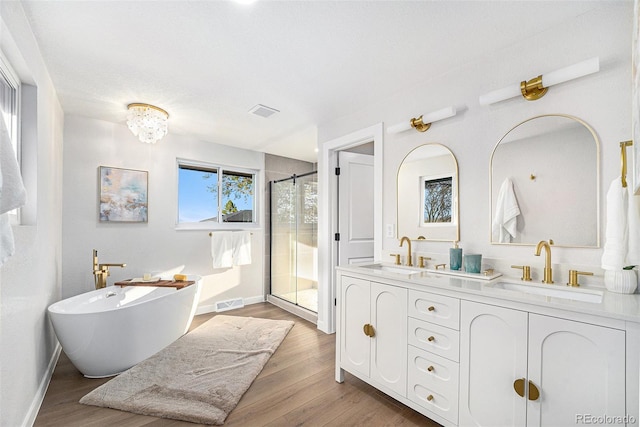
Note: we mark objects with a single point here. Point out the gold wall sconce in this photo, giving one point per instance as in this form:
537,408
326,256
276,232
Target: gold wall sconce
537,87
422,123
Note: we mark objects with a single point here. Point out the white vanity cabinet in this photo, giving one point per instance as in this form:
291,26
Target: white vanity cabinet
373,332
564,369
463,354
434,350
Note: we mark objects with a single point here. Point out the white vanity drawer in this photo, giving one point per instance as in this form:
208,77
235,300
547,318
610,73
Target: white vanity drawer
433,383
438,309
437,339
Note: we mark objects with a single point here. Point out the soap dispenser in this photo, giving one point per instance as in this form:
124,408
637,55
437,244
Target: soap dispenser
455,257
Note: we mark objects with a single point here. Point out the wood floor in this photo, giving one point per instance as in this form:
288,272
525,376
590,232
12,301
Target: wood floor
295,388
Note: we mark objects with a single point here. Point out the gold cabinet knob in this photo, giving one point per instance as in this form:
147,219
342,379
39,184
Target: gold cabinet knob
431,308
534,393
518,386
431,338
430,397
430,368
369,330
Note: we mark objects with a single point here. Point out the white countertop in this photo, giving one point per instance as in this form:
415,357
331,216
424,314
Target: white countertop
622,307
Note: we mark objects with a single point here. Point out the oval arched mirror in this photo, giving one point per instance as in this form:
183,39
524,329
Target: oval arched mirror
428,194
545,175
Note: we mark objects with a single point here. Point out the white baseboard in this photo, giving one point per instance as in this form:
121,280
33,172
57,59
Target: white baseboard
211,308
36,403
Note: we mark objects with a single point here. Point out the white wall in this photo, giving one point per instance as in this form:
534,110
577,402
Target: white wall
30,280
155,245
603,100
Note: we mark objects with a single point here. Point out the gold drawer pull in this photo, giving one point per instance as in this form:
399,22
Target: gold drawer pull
430,368
431,338
431,308
430,397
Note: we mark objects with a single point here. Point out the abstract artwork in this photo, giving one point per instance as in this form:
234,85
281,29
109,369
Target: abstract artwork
123,195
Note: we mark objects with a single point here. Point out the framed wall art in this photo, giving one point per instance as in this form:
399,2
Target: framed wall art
123,195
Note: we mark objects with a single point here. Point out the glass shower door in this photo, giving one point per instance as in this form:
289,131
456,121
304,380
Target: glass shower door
294,222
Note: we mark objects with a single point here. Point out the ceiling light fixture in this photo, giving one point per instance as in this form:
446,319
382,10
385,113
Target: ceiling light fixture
422,123
537,87
147,122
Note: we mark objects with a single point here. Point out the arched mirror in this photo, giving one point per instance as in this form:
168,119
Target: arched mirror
428,194
545,175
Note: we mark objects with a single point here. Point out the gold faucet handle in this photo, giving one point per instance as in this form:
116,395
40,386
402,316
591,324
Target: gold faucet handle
526,272
421,261
573,277
397,261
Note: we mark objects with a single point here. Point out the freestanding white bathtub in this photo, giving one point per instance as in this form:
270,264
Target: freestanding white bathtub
107,331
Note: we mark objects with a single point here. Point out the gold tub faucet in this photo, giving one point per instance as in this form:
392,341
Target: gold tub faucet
101,271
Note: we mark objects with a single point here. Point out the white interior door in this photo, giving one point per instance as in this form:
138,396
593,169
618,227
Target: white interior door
355,208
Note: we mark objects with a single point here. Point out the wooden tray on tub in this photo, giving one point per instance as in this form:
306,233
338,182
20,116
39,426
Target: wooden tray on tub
161,283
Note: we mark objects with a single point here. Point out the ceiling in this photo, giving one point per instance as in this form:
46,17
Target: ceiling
209,62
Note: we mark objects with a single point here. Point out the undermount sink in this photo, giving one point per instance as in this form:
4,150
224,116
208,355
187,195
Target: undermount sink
398,269
551,291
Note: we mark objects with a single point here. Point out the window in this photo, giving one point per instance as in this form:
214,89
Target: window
10,112
211,194
10,101
437,198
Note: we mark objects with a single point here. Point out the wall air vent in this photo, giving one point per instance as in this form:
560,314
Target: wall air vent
263,111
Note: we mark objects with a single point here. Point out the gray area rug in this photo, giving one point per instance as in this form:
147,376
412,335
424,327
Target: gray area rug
200,377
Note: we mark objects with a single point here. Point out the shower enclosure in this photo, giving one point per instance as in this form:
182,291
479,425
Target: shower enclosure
294,240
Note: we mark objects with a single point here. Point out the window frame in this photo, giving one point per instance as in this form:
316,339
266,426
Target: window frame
8,74
220,169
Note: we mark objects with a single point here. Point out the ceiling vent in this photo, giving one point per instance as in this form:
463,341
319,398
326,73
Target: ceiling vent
263,111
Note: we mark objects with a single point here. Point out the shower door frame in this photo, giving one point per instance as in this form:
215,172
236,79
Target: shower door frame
271,297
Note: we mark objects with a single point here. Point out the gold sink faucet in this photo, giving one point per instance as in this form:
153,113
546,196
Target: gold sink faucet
548,274
101,271
406,239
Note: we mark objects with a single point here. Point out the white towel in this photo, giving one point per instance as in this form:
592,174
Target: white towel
507,210
242,248
222,249
616,244
633,222
12,192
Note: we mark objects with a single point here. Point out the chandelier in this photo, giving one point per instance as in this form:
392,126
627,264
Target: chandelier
147,122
